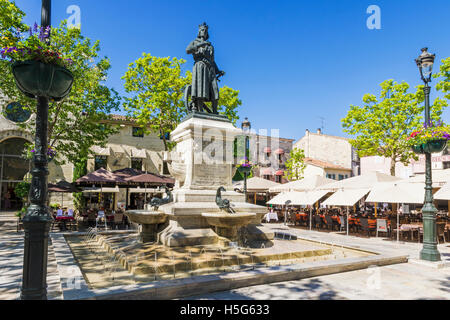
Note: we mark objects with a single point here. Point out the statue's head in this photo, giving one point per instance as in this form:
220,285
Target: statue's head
203,31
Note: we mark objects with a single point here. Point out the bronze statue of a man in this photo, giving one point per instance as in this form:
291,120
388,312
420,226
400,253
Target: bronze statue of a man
205,74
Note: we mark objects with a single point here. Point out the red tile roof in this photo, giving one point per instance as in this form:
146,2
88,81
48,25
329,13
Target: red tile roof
324,164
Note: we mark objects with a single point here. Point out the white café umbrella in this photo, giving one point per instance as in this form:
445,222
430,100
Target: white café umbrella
398,192
346,198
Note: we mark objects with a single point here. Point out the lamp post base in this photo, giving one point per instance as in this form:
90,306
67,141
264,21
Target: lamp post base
429,251
34,285
430,254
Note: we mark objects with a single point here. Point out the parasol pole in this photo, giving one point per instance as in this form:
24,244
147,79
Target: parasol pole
310,217
145,196
347,220
398,226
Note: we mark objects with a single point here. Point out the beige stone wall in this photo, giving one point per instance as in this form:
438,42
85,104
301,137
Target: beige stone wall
335,150
120,151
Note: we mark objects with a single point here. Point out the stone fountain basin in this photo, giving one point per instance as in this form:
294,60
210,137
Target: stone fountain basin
146,217
228,220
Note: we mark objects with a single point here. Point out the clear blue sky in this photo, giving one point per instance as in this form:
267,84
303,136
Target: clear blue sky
293,61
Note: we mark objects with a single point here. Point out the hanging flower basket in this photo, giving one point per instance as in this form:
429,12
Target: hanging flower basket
37,79
245,166
431,138
38,65
430,147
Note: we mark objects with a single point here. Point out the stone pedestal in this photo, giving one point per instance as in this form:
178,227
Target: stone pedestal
201,163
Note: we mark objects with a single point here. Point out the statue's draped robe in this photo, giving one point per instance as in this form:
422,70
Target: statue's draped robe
204,81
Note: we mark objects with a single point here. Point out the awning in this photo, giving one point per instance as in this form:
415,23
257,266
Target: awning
100,151
306,198
256,184
138,153
117,148
101,190
443,193
346,197
366,181
305,184
279,173
279,151
397,193
267,150
100,176
266,172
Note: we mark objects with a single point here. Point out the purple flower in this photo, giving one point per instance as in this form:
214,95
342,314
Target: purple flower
35,29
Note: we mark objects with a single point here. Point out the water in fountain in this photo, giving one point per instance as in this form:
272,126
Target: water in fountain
190,259
223,260
156,264
173,263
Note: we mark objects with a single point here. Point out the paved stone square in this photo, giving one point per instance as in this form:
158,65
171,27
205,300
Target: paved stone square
401,281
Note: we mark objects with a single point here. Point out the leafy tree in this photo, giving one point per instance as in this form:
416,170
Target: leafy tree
75,124
158,88
444,72
295,165
157,91
380,127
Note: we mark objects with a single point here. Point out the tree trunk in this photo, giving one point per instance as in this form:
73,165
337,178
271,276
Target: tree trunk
393,167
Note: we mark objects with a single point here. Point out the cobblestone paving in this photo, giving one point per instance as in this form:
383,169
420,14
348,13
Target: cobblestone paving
402,281
11,262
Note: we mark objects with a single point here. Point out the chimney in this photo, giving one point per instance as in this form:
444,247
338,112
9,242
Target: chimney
319,131
307,132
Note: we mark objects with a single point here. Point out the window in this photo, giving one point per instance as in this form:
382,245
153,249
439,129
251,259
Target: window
100,162
278,179
16,113
341,176
331,176
138,132
136,163
446,164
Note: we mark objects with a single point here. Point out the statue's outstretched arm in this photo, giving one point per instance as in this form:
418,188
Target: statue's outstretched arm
191,48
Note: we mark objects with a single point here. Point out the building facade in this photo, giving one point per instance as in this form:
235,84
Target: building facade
130,147
270,154
439,161
329,156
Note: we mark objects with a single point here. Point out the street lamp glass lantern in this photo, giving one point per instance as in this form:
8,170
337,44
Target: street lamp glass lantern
425,63
246,126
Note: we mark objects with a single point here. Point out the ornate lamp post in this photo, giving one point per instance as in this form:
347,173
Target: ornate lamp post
37,220
246,126
429,251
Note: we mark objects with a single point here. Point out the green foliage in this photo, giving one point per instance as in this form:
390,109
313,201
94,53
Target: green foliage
295,165
76,123
157,88
22,190
79,170
380,127
444,73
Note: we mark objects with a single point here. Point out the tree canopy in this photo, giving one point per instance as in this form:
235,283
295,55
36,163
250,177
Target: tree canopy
76,123
381,125
295,165
156,86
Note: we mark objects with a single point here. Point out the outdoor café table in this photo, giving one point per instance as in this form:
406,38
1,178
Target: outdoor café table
271,215
411,228
62,221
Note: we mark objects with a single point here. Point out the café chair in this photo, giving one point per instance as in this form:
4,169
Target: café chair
365,227
440,231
